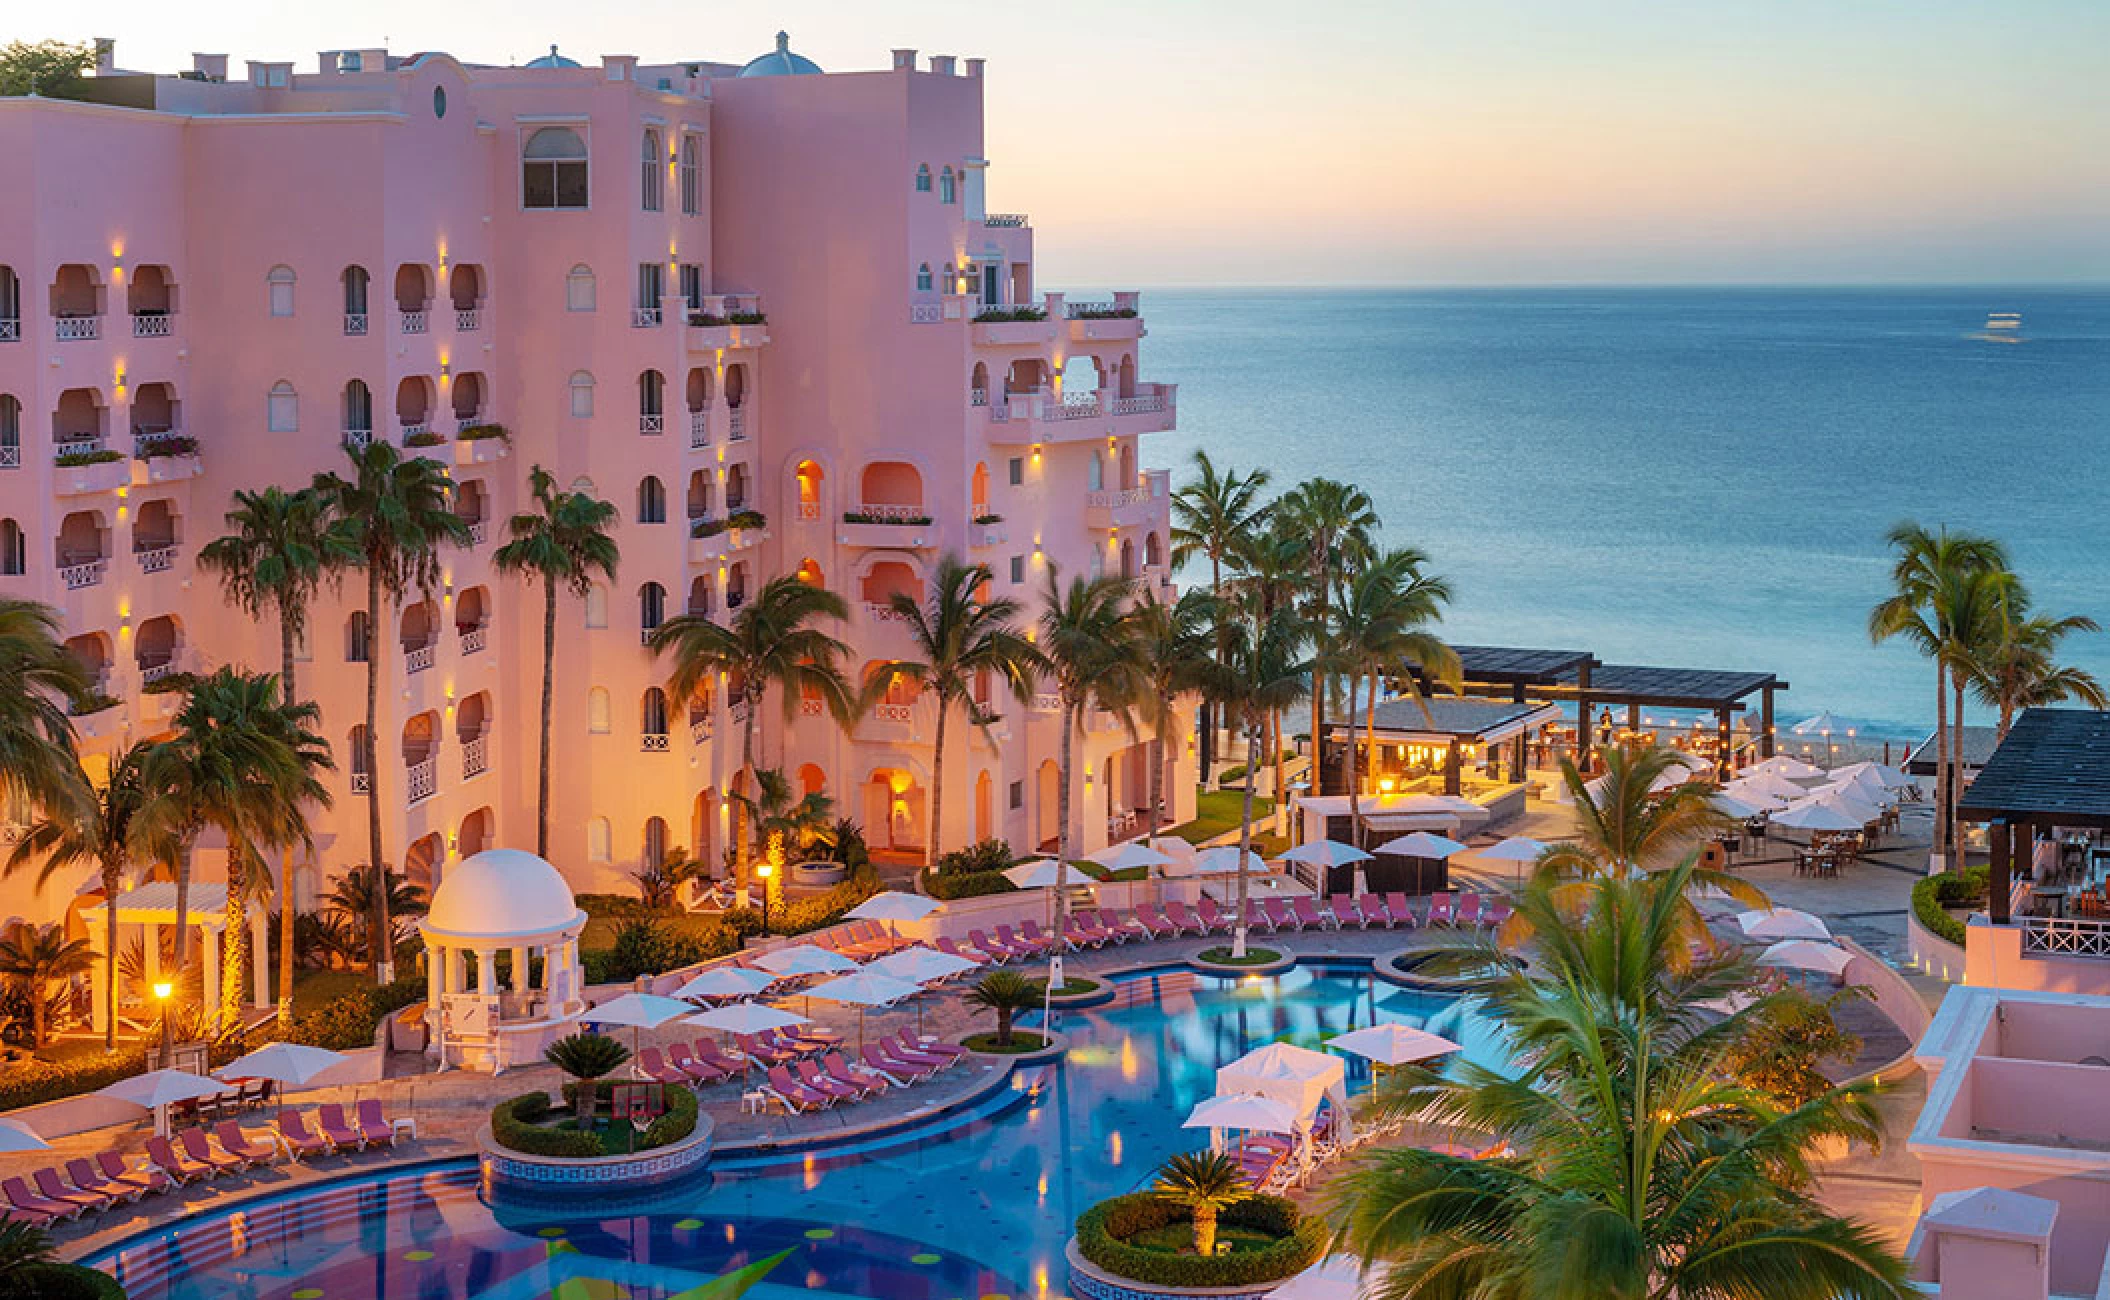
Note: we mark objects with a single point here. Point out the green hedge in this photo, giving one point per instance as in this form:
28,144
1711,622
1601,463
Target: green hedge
965,884
349,1022
516,1125
61,1282
1931,895
1103,1234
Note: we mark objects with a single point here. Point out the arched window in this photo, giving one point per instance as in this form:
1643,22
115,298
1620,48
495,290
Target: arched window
597,606
283,409
553,169
691,175
651,180
652,714
1095,473
10,432
581,395
14,555
597,710
355,286
655,842
651,606
922,178
651,501
597,845
651,402
923,278
948,186
281,283
357,641
578,288
358,409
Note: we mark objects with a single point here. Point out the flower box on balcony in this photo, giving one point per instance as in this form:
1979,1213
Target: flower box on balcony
426,438
481,444
887,528
167,469
82,472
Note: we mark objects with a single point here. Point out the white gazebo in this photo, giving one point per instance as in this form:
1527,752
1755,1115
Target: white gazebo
501,900
1295,1076
153,905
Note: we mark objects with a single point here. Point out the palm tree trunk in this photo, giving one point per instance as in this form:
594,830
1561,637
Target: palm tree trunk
236,955
937,788
1210,712
1071,711
1281,776
1956,771
1941,764
36,1012
1245,839
113,877
1157,785
1355,793
382,951
184,863
549,658
744,845
285,855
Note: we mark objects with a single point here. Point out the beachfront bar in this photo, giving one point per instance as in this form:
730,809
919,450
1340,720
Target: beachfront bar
1471,751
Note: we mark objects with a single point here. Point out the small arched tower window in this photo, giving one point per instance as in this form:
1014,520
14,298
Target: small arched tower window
578,288
651,176
923,278
922,178
281,284
948,187
553,169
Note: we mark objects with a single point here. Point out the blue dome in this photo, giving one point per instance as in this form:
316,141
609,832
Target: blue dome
780,62
552,60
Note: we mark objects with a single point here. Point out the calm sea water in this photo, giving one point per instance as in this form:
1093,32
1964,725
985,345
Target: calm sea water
1688,478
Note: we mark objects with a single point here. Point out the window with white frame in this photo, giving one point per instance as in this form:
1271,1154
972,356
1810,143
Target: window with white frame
652,180
283,409
923,278
281,283
578,288
597,710
597,606
691,174
581,385
553,169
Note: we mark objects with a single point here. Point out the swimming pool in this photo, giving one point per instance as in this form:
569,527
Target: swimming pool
979,1208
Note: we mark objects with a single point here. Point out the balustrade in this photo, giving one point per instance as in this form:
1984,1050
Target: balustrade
700,428
418,658
75,329
475,756
736,422
421,781
2050,936
414,322
644,318
156,559
653,742
472,639
157,326
651,425
78,576
468,318
355,324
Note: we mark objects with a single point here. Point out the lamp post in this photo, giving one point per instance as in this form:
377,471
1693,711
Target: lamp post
763,871
162,990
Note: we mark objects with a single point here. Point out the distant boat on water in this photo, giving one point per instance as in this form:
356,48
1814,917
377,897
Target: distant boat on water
2002,327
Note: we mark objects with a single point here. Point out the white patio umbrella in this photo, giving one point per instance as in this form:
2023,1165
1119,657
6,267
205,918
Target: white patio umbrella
1889,777
13,1137
1728,1004
1817,815
1337,1277
1326,853
1863,785
726,982
865,989
1765,785
1421,844
1519,849
639,1011
1129,855
1047,873
1818,725
893,907
1730,806
1851,802
1803,954
1786,765
1392,1043
920,965
805,959
1223,861
1781,923
744,1018
157,1090
1243,1110
291,1064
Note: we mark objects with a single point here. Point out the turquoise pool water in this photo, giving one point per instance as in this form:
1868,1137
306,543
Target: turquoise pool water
979,1207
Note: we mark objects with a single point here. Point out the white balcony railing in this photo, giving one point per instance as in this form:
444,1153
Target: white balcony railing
1071,407
76,446
2048,936
809,509
10,329
1142,404
151,673
652,742
978,397
476,756
357,439
77,576
892,712
11,456
883,613
355,324
700,731
644,318
422,781
468,318
700,428
414,322
476,532
736,422
1047,702
473,640
75,329
1109,500
156,559
418,430
362,783
158,326
893,514
418,658
652,425
1004,220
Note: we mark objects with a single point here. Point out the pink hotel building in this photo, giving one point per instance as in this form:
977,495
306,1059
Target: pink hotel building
407,247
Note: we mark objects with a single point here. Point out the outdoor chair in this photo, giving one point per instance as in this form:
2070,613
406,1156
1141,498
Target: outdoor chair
1401,911
146,1178
1279,917
329,1117
710,1056
810,1075
952,948
1344,913
1033,934
52,1188
1468,910
652,1064
914,1056
19,1196
998,953
1079,932
293,1131
1256,921
228,1133
179,1167
1308,917
85,1176
764,1051
870,1080
1117,929
1374,911
1212,916
794,1094
899,1073
1440,909
1020,942
681,1063
1152,920
931,1046
197,1148
1188,923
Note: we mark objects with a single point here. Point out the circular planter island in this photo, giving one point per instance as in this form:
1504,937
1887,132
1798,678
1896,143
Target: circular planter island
1129,1248
1049,1045
818,874
519,1153
1257,961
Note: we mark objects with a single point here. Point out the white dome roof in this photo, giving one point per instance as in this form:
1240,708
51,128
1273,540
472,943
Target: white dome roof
781,62
502,894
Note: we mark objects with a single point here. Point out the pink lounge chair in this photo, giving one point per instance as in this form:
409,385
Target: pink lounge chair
899,1073
842,1071
1188,922
179,1167
765,1051
692,1069
1033,934
1256,921
1402,911
329,1117
1308,914
1374,911
19,1196
653,1065
146,1178
1344,914
1032,946
1495,914
929,1047
1118,930
1279,917
86,1177
997,952
896,1050
1468,910
51,1188
1212,917
197,1148
795,1094
1083,932
293,1129
1440,909
1152,920
953,949
810,1074
228,1133
712,1057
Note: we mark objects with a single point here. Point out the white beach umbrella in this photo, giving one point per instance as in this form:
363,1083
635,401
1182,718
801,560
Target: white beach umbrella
1781,923
1392,1043
1822,724
1421,844
745,1018
1730,806
1817,815
1889,777
1804,954
14,1137
1326,853
292,1064
866,989
1784,765
1519,849
1244,1111
805,959
1172,846
1853,803
1766,785
1863,786
162,1088
921,965
1223,861
726,982
1047,873
637,1011
894,905
1130,855
1728,1004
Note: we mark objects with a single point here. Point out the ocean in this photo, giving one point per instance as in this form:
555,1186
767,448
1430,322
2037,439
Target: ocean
1696,478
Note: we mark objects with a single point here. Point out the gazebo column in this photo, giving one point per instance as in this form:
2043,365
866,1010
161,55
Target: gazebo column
520,970
486,971
435,978
2001,834
1633,717
1765,723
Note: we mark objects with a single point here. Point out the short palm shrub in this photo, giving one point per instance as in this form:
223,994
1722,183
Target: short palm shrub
30,1270
586,1056
1206,1183
1005,993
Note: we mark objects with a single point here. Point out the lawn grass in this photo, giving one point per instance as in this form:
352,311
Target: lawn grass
600,930
1022,1041
1217,812
1253,956
318,988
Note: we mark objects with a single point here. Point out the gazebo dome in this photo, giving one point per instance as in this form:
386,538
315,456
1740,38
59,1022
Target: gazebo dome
780,62
502,894
552,60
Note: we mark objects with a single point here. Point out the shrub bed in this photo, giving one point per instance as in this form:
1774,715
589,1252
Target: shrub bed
518,1125
1022,1041
1933,895
56,1281
74,459
1253,957
965,884
1106,1233
349,1022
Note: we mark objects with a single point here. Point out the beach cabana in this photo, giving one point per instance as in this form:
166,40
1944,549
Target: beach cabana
1296,1076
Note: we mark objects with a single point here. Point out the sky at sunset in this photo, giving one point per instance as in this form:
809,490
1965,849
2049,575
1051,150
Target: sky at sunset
1330,142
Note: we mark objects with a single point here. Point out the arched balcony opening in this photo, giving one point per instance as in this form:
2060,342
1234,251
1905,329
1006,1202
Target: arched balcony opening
699,394
413,297
736,585
76,302
810,573
736,400
14,550
978,488
421,861
358,414
419,636
892,490
652,721
472,619
414,402
358,287
894,806
472,730
703,826
156,647
465,287
1128,559
1153,552
736,489
472,505
978,385
10,305
82,549
150,298
812,780
703,599
10,431
1028,375
468,398
810,478
421,749
887,579
1127,453
91,652
700,492
80,421
155,412
479,832
1082,377
651,609
155,534
1125,384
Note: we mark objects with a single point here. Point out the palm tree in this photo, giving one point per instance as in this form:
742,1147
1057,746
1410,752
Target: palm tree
1174,641
1211,517
274,560
769,641
34,957
244,763
565,542
781,816
1380,616
1336,521
1089,644
39,680
960,633
1273,565
107,838
2016,666
1004,993
1926,563
1268,669
396,515
353,895
1642,1166
1206,1183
